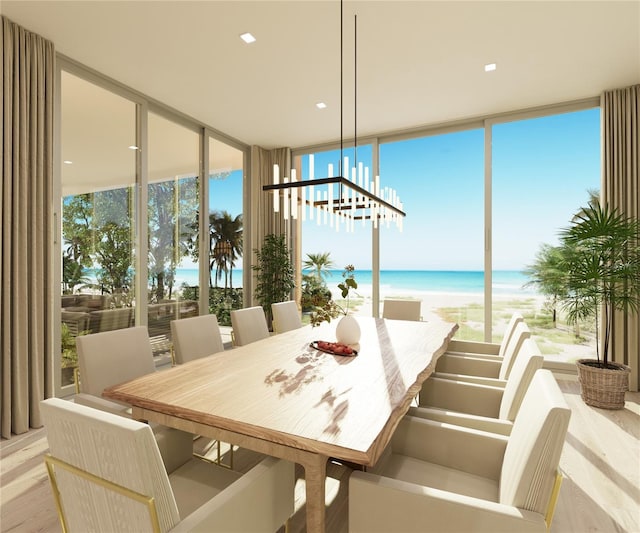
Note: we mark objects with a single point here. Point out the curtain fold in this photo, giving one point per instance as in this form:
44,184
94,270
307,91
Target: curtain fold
28,63
621,189
263,220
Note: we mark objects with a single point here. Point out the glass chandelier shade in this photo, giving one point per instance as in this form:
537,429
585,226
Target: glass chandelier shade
336,201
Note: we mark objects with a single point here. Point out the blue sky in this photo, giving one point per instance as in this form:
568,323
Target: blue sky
226,194
542,169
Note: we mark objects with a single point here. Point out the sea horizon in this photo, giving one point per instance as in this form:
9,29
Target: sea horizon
441,281
397,280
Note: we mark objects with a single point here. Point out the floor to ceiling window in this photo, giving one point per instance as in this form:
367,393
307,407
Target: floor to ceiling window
438,256
98,175
129,258
225,229
543,172
172,215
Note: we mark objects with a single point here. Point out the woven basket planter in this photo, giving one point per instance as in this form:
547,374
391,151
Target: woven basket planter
603,387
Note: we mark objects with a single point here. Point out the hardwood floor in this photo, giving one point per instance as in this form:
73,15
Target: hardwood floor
600,460
601,464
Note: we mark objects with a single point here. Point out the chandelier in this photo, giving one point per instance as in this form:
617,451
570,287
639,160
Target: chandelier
340,199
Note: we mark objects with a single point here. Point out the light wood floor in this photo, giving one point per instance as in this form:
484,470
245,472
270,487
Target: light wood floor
601,462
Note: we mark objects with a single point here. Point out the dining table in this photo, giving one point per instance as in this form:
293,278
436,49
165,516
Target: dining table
283,397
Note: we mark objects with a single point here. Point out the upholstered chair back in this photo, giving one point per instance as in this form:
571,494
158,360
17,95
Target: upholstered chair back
529,360
196,337
116,449
113,357
515,319
512,349
533,451
401,309
286,316
249,325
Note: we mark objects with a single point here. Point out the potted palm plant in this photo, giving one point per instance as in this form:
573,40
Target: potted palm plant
601,259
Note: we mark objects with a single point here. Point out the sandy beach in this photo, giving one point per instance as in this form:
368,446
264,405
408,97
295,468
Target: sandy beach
431,300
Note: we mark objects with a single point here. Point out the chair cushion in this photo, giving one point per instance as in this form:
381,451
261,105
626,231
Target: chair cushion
383,505
468,365
197,481
462,397
412,470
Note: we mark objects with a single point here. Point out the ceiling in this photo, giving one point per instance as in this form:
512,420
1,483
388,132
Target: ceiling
419,63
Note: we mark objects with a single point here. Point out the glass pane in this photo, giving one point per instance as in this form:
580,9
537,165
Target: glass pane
543,170
98,177
173,227
329,243
225,232
438,257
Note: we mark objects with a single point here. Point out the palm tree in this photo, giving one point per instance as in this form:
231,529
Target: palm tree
321,264
225,244
547,274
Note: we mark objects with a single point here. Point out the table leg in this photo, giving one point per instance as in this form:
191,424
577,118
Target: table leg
315,475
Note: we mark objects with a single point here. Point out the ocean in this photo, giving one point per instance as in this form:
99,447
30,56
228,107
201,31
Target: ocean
443,281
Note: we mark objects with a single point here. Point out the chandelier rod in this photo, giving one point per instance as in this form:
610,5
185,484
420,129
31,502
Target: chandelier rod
340,170
355,91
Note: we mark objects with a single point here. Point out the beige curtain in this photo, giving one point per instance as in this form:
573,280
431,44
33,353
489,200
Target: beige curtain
25,209
621,189
263,220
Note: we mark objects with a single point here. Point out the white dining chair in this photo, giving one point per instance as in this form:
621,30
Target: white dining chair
483,407
486,349
195,337
248,325
476,368
107,475
113,357
286,316
463,479
401,309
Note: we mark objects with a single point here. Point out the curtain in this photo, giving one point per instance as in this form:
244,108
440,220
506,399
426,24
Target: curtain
263,220
25,209
621,189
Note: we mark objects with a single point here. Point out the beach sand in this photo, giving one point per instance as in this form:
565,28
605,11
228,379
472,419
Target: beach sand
433,302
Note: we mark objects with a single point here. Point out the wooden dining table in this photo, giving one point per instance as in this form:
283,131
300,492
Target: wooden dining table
284,398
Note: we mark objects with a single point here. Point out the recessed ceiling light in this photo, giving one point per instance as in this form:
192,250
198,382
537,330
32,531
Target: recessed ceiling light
248,38
67,162
133,147
489,67
321,105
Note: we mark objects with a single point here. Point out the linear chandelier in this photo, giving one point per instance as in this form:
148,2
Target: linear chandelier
338,199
